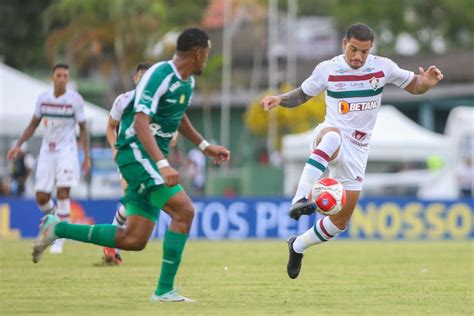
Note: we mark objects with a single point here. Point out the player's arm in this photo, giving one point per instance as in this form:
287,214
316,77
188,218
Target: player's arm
111,133
84,139
141,125
425,80
289,100
219,153
27,133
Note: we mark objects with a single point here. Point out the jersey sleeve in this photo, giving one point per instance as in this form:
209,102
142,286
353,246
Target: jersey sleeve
315,83
150,89
37,112
79,114
117,108
398,76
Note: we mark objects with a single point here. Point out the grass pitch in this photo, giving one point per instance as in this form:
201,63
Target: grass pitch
338,278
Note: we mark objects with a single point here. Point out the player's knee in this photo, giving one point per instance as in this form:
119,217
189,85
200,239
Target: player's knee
185,214
136,244
42,198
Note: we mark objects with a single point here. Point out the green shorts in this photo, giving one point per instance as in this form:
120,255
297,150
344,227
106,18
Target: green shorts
146,193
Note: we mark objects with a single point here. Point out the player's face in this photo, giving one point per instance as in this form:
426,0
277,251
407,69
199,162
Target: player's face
60,78
201,56
356,52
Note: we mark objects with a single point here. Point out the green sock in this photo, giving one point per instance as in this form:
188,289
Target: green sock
173,246
102,235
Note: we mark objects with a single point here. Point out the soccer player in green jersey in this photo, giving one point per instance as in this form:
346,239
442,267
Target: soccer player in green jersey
146,129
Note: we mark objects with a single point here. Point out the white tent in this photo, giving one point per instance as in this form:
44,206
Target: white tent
395,138
18,93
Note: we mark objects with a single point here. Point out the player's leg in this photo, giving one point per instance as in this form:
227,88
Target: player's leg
181,211
44,184
63,212
325,148
324,229
112,255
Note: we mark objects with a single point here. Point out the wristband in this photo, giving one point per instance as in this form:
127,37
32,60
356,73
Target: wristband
203,145
162,163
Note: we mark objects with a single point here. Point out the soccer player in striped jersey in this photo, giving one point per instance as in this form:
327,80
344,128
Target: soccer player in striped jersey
353,83
59,110
146,129
112,255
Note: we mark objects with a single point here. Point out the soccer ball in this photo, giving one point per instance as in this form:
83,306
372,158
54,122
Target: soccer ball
328,195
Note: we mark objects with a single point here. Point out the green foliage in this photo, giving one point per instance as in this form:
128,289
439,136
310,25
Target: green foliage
21,32
423,19
289,120
337,278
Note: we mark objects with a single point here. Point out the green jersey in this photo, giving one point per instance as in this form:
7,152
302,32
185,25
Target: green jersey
162,95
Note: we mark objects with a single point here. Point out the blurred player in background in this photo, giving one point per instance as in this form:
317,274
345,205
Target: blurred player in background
146,129
353,83
58,163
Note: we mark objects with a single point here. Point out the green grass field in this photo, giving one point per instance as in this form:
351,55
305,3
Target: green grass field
338,278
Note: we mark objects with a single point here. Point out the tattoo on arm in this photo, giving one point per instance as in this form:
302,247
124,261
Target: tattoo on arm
293,98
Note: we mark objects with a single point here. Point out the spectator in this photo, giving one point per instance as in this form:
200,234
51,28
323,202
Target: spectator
465,175
197,171
21,169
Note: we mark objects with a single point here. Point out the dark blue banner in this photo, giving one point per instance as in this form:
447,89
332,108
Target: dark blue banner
262,218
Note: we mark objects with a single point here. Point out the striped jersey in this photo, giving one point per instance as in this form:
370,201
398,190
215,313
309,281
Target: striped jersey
162,95
120,103
353,96
59,116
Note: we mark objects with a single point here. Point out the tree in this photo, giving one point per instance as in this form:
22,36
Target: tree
289,120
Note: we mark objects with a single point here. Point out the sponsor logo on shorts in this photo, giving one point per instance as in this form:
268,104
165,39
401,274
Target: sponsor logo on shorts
344,107
359,179
355,142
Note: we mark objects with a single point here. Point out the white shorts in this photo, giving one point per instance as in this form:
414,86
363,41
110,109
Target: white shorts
349,165
60,169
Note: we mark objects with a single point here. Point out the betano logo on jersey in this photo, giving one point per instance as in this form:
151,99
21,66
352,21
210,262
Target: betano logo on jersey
345,107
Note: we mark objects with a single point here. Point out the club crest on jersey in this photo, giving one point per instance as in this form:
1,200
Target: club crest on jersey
174,86
374,83
345,107
360,136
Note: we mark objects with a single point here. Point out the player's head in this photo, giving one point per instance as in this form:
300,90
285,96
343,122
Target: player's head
357,44
60,76
194,43
139,71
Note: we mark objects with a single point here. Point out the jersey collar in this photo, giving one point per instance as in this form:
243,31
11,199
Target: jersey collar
176,72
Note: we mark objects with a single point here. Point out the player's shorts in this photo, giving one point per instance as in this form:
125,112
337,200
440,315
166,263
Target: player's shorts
146,193
349,165
56,168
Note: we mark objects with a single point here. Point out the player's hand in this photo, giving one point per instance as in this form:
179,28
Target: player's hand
13,152
170,175
220,154
269,102
431,76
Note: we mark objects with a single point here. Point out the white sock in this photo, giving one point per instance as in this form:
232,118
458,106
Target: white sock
48,207
64,209
120,217
322,231
317,164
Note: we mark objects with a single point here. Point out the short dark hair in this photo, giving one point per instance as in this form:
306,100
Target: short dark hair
192,38
142,67
360,32
60,65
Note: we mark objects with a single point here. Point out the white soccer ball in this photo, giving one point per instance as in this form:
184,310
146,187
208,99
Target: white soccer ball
328,195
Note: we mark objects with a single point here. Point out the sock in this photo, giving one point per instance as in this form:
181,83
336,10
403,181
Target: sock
48,207
120,217
322,231
317,164
64,209
102,235
173,246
